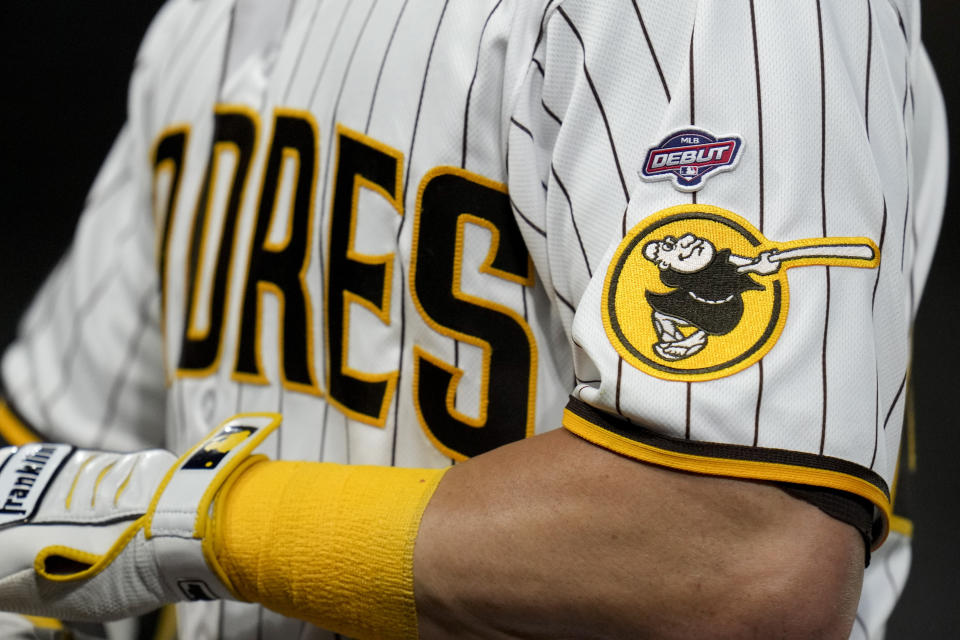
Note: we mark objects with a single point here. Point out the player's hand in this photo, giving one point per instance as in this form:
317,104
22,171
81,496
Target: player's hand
93,535
765,264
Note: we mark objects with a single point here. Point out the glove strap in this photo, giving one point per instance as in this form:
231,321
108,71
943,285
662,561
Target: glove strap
177,524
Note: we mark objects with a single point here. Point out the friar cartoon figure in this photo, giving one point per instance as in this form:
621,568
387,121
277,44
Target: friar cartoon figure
707,291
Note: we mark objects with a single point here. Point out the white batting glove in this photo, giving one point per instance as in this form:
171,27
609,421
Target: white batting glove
91,535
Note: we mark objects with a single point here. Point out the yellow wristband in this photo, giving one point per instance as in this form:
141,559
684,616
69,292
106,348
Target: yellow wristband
327,543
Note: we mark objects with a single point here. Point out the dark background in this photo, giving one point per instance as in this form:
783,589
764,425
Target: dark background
64,74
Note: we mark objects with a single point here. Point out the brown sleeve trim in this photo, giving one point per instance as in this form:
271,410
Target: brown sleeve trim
843,506
758,463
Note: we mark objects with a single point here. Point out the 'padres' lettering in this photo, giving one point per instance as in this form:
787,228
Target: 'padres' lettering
235,133
280,267
168,157
355,277
450,199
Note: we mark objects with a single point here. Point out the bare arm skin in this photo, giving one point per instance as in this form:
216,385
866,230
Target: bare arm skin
553,537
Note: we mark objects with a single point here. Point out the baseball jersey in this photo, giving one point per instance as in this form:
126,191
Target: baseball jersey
694,233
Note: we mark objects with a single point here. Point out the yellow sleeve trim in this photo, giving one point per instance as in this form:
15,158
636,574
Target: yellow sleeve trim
327,543
901,525
45,623
13,430
752,469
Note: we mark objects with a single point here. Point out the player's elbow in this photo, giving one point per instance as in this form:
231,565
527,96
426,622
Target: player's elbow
804,587
798,578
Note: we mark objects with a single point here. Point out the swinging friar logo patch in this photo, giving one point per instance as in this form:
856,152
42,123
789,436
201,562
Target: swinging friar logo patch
695,292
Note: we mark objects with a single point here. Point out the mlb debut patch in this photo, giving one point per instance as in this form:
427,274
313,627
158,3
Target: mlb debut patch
689,156
695,292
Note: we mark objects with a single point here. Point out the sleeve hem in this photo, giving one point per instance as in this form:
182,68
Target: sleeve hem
13,428
736,461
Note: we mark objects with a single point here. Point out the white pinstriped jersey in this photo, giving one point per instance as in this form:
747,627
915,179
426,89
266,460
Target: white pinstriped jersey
416,228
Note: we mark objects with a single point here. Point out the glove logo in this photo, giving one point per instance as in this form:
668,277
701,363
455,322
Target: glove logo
195,590
217,447
689,156
25,477
695,292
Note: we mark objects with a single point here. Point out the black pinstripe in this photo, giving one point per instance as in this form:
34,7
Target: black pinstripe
513,121
543,22
866,90
890,577
473,80
191,58
550,112
573,219
596,96
333,125
823,221
44,319
130,359
346,73
181,402
883,234
565,302
523,295
323,432
403,276
516,208
329,154
539,66
383,62
896,399
876,417
80,314
906,152
239,403
529,222
326,56
290,10
756,67
913,219
303,47
416,120
653,53
693,93
693,198
903,29
37,319
873,304
225,58
859,622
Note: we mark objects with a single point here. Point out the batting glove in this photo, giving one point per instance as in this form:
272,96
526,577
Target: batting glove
92,535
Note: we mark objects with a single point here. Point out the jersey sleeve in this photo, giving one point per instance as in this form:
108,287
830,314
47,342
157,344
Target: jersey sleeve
722,200
86,365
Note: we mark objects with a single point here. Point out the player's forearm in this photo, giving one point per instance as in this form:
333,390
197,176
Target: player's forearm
553,537
549,537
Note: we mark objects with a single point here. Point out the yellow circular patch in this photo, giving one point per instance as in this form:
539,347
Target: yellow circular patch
680,316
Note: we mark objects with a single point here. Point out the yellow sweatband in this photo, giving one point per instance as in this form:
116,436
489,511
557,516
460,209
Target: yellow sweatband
327,543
